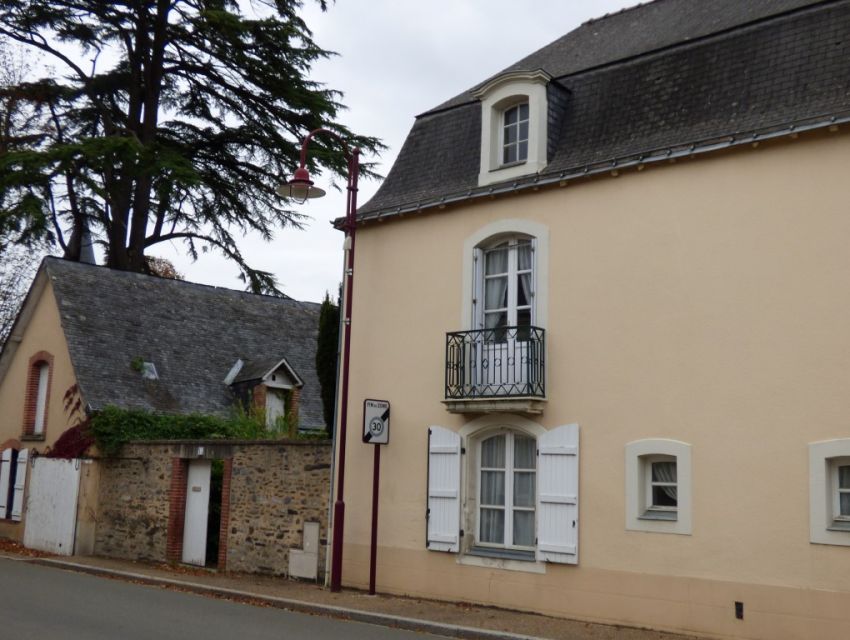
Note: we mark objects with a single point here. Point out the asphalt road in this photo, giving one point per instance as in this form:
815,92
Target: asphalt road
43,602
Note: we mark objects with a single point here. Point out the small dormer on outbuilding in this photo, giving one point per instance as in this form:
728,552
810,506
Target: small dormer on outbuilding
268,385
520,112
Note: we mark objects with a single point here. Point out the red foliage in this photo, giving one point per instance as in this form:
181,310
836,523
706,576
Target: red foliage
73,443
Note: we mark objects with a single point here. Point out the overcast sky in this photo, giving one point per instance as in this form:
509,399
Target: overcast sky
397,58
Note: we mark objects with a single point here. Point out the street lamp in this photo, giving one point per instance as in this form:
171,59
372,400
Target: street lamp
301,188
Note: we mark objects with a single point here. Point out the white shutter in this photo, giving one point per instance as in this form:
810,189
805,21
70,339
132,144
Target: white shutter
5,472
443,516
20,483
557,495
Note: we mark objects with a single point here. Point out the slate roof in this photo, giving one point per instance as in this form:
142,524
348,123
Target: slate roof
192,333
663,78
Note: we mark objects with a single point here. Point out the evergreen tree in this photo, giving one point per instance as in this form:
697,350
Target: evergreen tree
167,120
326,357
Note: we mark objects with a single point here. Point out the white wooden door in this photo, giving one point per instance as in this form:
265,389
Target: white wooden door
51,512
197,509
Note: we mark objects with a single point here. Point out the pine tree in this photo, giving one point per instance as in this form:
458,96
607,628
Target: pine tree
168,120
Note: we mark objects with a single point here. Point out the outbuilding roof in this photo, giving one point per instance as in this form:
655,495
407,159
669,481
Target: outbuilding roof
192,334
664,78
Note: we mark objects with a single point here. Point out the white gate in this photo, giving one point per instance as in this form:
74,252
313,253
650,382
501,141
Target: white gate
51,515
197,510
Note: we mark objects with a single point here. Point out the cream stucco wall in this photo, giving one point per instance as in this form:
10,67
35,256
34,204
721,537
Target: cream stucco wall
43,333
704,301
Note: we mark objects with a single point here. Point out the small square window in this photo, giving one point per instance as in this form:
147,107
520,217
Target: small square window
829,492
658,480
662,499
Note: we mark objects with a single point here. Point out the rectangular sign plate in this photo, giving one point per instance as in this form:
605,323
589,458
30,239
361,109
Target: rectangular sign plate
376,421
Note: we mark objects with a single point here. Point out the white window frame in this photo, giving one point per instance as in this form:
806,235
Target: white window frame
640,455
650,508
40,418
837,516
472,301
472,433
512,274
508,506
503,144
498,95
826,525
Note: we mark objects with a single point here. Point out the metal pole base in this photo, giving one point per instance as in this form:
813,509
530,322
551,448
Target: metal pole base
336,551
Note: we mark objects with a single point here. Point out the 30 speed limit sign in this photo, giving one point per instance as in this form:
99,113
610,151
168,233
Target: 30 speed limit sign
376,421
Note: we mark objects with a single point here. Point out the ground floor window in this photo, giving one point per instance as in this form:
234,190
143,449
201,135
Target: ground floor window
658,486
504,492
829,491
507,490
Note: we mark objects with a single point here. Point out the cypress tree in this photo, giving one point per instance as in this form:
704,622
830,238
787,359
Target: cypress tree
326,357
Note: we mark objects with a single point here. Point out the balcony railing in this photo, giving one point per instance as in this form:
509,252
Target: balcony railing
505,362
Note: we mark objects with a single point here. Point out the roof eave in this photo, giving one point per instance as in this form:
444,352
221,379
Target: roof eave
535,181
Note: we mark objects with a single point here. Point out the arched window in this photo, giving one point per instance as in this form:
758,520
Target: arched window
505,283
508,490
38,394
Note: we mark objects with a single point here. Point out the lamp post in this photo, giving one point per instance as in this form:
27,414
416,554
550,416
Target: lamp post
301,188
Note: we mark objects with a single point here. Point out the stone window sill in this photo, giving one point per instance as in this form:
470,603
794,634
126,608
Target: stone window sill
32,437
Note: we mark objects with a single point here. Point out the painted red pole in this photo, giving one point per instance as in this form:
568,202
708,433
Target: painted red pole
339,504
373,556
302,179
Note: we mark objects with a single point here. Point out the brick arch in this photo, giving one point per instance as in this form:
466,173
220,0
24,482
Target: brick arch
36,360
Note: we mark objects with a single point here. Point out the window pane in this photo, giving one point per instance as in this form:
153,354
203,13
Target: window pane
523,255
524,528
664,472
523,111
510,134
494,321
493,488
496,260
844,477
664,497
844,504
496,293
524,488
523,286
523,151
523,319
510,154
511,115
493,453
523,130
493,526
525,451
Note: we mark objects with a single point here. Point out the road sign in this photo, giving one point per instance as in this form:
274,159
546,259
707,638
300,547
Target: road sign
376,421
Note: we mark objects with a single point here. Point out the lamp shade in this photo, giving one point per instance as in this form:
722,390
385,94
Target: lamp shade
300,188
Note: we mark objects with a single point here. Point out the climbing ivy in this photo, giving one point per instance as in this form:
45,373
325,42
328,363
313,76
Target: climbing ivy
111,428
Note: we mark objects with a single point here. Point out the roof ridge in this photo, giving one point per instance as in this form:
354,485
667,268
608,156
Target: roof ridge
699,39
616,13
282,298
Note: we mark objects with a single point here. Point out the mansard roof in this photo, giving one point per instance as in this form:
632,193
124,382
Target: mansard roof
662,79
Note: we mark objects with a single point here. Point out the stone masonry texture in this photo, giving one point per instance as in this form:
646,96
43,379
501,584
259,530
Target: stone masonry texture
274,488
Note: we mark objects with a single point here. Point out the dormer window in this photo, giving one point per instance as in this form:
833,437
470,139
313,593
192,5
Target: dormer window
515,134
514,126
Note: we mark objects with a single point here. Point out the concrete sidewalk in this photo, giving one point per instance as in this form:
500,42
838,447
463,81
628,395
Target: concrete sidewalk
456,620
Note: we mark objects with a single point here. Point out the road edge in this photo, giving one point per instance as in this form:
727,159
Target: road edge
300,606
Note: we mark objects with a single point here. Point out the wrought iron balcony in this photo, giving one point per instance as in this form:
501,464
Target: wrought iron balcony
505,363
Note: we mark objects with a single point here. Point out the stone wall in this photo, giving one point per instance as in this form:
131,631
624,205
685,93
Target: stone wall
132,519
274,487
